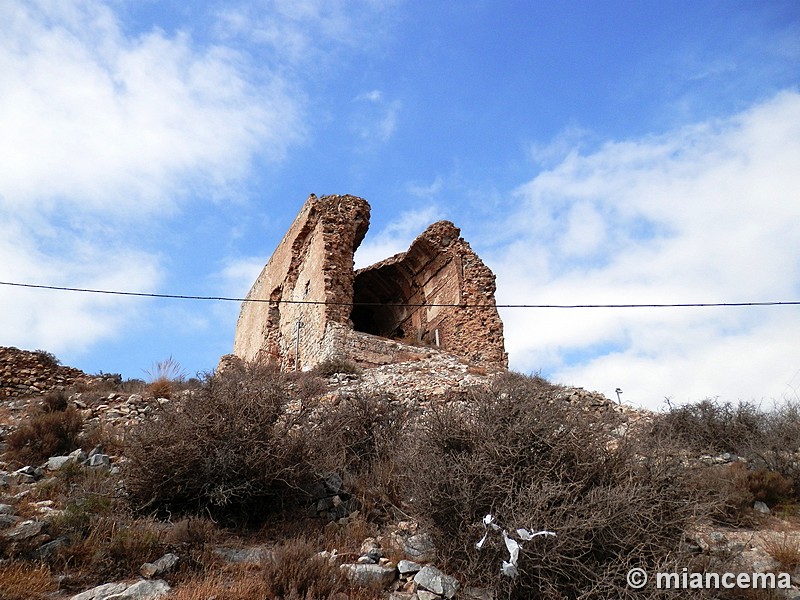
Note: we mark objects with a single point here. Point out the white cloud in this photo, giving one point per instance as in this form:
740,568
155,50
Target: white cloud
103,121
308,32
395,237
105,133
707,213
426,191
237,276
61,321
376,117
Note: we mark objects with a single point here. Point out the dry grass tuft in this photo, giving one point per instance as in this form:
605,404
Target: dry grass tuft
24,581
164,376
784,549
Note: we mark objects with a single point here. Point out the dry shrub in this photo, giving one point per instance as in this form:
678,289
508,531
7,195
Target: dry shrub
725,492
769,487
25,581
54,401
232,584
48,359
358,439
767,439
44,435
231,450
164,378
532,461
785,550
711,426
336,364
294,569
349,535
191,532
112,548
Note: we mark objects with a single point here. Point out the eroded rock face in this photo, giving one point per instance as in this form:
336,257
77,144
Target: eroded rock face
437,296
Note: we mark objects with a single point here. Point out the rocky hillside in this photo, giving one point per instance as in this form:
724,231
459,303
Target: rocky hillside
377,483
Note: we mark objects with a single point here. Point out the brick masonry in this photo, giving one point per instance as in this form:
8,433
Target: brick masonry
390,311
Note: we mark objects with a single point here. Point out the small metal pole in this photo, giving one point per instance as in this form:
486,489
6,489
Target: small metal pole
619,391
297,344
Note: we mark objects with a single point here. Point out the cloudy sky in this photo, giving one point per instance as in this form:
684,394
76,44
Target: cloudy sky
591,152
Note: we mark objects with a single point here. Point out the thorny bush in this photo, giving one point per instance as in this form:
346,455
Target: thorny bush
523,455
231,449
768,440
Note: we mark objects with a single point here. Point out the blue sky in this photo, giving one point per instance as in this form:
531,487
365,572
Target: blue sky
591,152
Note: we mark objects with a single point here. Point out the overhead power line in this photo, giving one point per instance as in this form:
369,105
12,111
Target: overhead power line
408,304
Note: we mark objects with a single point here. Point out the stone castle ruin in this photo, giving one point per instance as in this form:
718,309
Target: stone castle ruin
309,305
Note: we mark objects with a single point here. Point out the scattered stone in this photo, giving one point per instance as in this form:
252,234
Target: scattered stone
8,521
333,482
78,456
250,556
761,507
420,547
25,530
426,595
407,566
101,592
476,593
99,460
25,475
431,578
369,575
46,550
7,509
163,565
54,463
142,590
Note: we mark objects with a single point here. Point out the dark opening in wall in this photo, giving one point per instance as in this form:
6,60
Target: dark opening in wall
378,298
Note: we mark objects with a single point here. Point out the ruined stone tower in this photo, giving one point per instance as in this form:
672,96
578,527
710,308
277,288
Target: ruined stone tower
312,305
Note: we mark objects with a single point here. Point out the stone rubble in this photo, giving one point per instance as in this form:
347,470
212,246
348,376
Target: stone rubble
140,590
414,384
25,373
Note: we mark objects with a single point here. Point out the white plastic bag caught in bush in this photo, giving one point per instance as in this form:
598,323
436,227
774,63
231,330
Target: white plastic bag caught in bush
509,567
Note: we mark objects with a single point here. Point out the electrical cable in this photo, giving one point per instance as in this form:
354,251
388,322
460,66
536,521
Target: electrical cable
397,304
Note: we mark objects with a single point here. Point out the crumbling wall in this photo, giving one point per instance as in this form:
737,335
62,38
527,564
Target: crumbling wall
437,296
25,373
439,293
312,264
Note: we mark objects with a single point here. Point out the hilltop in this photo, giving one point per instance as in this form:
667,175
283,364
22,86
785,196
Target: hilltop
351,482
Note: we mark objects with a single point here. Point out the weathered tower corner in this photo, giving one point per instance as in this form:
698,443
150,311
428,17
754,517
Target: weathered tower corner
308,304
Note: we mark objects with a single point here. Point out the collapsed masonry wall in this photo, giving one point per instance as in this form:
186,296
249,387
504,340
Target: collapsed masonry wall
308,304
312,264
438,293
26,373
